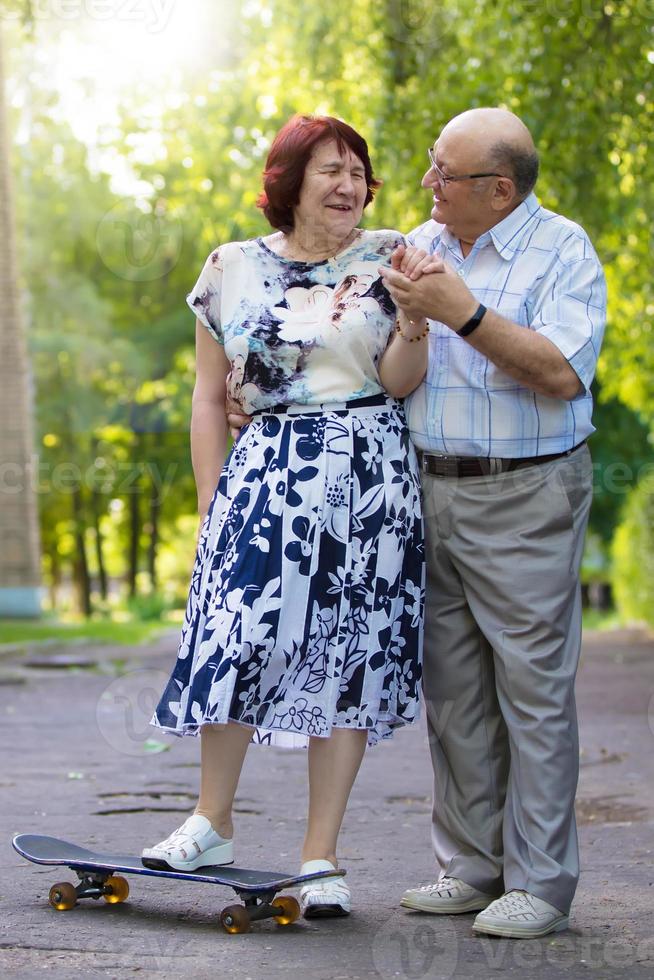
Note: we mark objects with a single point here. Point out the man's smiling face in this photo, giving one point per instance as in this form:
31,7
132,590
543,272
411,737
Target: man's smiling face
462,205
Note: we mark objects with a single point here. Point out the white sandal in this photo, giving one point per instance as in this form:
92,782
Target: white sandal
323,899
193,845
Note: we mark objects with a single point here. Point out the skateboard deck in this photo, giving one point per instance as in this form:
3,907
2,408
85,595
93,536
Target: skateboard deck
98,878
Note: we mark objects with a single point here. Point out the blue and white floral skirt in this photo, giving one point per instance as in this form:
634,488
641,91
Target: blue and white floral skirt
306,604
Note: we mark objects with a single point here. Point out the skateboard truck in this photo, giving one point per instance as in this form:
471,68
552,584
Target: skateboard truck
92,884
237,918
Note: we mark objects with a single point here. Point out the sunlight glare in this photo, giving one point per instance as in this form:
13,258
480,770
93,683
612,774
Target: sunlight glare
98,66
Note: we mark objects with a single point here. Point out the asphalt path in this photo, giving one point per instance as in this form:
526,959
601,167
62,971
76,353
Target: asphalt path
81,763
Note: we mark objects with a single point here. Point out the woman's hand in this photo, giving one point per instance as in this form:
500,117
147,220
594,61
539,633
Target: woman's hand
236,418
415,262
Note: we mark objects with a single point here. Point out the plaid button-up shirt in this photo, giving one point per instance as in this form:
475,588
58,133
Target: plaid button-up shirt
539,270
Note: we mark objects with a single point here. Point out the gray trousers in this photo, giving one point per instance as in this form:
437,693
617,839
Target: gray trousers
502,642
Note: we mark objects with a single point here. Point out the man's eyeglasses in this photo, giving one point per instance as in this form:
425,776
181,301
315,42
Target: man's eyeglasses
448,178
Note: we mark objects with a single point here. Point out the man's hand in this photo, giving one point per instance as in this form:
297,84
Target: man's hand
236,419
443,296
414,262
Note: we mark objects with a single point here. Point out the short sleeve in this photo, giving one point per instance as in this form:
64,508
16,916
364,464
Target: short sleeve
572,311
204,298
397,238
383,242
426,235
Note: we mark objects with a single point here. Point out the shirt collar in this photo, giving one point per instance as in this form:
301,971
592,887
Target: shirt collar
508,234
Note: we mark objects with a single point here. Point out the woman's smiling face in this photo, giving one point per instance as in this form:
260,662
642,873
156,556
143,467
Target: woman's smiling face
333,192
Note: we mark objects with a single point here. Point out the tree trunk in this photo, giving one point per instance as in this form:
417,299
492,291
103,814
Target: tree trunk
20,576
134,525
99,546
155,515
80,563
55,576
96,509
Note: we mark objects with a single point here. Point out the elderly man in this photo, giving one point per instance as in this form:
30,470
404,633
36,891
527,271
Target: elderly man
501,421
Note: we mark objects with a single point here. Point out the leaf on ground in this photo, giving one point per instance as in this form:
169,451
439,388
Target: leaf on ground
154,745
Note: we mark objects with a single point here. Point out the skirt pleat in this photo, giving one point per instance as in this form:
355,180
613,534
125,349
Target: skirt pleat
305,610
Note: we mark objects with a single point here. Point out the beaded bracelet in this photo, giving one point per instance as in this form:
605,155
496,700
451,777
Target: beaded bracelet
411,340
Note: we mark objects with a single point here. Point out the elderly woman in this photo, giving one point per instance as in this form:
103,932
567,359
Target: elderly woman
305,613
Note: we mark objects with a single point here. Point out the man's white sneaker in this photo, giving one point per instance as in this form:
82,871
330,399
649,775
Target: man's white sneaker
193,845
520,915
447,897
323,899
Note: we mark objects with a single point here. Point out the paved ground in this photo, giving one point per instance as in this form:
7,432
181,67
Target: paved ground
77,764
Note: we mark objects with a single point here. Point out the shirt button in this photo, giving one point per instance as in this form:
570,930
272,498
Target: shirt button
460,272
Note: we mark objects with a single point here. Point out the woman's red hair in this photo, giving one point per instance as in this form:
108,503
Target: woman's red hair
288,157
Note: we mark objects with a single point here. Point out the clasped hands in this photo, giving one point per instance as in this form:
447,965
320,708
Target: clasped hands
421,286
425,286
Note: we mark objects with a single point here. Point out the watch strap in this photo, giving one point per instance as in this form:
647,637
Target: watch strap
473,322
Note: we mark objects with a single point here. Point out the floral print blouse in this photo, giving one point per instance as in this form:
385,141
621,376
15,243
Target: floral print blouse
299,332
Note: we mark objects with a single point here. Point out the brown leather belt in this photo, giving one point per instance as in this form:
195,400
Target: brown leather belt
454,466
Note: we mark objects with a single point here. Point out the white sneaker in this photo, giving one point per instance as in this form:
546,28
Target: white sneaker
323,899
447,897
193,845
520,915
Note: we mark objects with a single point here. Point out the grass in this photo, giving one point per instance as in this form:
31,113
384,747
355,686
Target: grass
121,632
595,619
134,631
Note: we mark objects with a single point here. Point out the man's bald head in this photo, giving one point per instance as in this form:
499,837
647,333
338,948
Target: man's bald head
502,141
489,125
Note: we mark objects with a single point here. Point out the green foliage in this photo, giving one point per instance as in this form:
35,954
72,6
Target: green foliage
633,554
620,449
105,274
148,606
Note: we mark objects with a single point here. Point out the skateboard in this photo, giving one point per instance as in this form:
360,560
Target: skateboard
98,878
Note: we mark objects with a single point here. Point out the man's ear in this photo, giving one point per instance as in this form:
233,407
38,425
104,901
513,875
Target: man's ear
505,194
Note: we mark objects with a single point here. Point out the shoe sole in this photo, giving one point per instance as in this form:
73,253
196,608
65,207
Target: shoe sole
324,912
472,905
155,864
508,933
210,859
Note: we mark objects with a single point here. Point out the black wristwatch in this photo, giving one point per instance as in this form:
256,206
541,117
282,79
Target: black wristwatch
473,322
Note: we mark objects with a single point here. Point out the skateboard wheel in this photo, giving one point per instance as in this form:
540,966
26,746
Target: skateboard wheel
63,896
289,909
235,918
117,889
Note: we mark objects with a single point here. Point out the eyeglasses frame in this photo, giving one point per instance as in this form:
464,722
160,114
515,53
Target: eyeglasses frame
450,178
